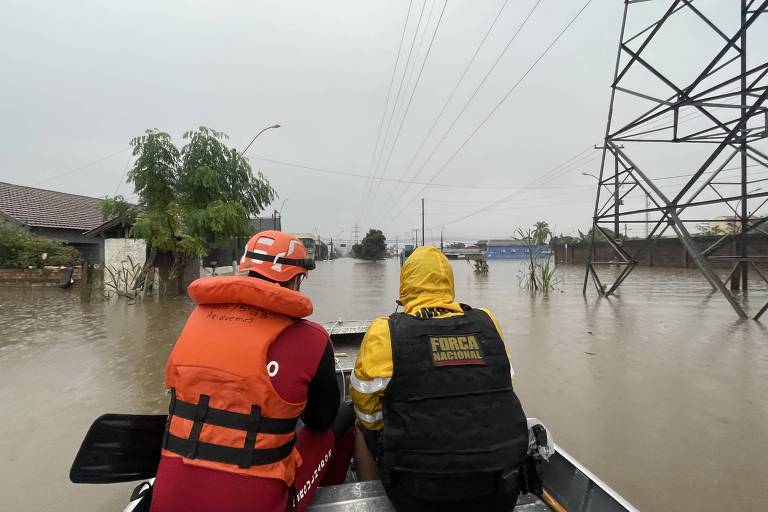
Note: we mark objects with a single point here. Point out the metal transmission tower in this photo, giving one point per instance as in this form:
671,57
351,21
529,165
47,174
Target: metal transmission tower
356,234
666,106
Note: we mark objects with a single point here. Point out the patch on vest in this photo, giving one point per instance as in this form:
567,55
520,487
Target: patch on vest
456,350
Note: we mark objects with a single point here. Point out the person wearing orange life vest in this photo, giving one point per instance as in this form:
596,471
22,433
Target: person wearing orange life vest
438,420
245,368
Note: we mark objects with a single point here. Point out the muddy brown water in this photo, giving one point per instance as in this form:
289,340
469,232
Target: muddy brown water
661,392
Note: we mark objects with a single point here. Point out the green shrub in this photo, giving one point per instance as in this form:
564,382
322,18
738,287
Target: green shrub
22,249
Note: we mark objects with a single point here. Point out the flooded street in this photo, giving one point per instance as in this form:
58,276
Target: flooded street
661,392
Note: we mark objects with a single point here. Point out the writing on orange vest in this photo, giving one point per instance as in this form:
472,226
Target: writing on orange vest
224,413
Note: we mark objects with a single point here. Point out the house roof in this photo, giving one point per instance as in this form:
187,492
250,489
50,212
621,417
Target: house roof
101,228
37,207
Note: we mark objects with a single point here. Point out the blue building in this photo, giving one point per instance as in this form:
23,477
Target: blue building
512,250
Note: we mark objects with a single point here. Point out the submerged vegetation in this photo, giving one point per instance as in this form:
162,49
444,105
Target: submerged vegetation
537,274
127,280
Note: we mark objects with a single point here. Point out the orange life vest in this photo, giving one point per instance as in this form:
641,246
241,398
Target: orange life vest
224,413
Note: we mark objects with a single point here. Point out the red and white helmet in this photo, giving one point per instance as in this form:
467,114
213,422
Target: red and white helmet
276,255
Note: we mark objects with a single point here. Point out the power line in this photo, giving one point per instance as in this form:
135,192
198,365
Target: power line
453,92
70,171
576,160
507,198
417,55
503,99
472,96
397,99
386,103
394,180
410,100
125,171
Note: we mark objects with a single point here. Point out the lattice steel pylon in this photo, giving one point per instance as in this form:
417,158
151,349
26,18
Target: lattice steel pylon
711,104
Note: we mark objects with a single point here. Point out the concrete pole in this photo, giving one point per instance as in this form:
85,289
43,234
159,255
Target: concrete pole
422,222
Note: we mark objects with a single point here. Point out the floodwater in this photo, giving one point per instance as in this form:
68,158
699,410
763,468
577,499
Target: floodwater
661,392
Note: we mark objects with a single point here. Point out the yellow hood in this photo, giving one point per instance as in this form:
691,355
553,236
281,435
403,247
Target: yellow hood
426,281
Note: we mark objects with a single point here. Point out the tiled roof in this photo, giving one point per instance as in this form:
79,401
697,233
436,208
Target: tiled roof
37,207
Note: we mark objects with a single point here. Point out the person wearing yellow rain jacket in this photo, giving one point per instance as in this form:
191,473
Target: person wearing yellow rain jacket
438,420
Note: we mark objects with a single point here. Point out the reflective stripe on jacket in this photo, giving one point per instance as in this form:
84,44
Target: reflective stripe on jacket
426,287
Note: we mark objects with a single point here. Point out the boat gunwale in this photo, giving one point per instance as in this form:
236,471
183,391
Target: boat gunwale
596,480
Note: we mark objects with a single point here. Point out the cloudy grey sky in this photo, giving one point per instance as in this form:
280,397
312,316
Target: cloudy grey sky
80,79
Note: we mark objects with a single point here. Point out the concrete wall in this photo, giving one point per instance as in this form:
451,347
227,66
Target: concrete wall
118,250
122,255
666,252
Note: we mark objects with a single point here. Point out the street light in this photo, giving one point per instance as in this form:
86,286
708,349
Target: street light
257,135
588,174
280,212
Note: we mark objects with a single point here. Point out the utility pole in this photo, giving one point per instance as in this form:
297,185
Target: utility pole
416,237
422,221
441,240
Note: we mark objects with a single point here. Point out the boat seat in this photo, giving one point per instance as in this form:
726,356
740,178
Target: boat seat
370,497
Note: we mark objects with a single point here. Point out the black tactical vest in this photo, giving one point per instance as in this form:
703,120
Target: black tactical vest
450,413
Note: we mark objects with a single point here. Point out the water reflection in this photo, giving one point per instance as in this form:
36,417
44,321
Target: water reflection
658,390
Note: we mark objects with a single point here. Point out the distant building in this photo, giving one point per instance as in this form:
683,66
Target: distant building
316,248
455,253
55,215
407,251
233,250
511,250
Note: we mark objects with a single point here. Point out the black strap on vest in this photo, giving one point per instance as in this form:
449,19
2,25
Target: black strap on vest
229,455
253,424
234,420
201,411
306,263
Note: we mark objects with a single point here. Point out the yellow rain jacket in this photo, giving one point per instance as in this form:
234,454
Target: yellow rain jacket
426,287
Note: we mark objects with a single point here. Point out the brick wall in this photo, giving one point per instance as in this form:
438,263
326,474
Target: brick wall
666,252
49,276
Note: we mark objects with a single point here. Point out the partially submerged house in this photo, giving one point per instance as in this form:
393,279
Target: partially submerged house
55,215
512,249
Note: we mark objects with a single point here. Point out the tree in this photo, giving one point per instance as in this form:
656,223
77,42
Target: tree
541,232
372,247
191,199
599,237
21,249
119,209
